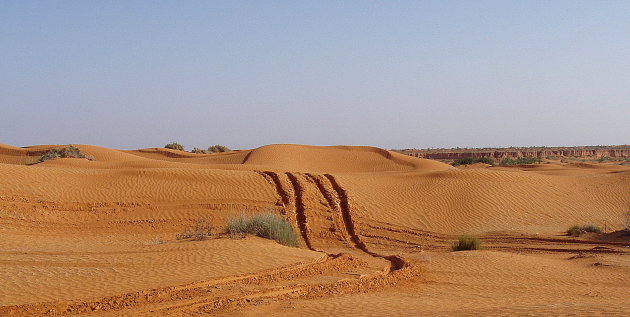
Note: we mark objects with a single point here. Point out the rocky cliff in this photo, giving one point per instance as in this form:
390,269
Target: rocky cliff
500,153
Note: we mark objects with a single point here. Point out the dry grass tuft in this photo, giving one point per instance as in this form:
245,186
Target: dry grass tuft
466,242
265,225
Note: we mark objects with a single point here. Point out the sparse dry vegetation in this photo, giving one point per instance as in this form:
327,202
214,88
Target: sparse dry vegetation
520,161
577,231
466,242
174,146
203,230
212,149
264,225
68,151
473,160
218,148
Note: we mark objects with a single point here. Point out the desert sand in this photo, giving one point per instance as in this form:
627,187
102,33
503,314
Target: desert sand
98,237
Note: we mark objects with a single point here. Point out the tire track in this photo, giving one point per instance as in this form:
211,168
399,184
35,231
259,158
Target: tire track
285,198
300,216
396,262
274,179
173,295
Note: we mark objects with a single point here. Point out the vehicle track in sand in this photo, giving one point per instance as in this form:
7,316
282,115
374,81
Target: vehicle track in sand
170,298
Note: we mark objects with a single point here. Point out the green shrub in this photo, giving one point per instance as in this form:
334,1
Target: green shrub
574,230
486,160
265,225
473,160
203,229
591,228
577,231
520,160
466,242
463,161
218,148
174,146
68,151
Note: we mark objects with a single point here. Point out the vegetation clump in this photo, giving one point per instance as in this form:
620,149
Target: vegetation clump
577,231
218,148
466,242
203,230
520,161
174,146
68,151
213,149
264,225
473,160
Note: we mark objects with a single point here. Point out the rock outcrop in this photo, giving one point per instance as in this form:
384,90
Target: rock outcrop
622,151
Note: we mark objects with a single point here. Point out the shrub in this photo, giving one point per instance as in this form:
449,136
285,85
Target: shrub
465,242
218,148
68,151
486,160
520,160
265,225
473,160
198,151
463,161
577,231
591,228
574,230
203,229
174,146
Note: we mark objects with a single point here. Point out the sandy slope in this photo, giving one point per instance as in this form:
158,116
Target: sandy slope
98,236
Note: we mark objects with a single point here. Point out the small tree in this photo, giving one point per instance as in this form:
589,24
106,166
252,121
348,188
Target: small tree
218,148
174,146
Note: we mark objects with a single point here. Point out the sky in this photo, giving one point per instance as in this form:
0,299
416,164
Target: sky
392,74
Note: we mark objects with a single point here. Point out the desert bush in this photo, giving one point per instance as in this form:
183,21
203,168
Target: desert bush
198,151
577,231
591,228
265,225
466,242
520,160
203,229
174,146
473,160
68,151
574,230
463,161
218,148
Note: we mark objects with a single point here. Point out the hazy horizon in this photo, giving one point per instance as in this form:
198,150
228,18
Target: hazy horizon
243,74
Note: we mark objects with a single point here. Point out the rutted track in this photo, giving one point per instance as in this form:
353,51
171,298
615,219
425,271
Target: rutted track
206,291
298,281
300,215
338,201
397,262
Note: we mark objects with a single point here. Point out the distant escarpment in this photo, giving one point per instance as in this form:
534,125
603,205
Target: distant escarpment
618,151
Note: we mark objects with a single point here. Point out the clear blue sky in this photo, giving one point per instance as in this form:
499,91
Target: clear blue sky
393,74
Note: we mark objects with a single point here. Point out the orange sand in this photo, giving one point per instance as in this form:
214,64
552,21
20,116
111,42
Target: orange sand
98,237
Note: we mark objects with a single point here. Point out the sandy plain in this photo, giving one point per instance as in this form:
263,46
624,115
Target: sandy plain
97,238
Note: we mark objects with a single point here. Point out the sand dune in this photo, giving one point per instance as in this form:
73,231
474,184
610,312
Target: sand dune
98,236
